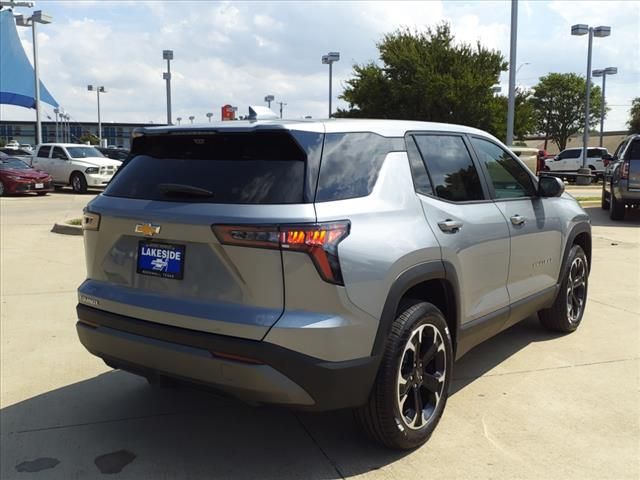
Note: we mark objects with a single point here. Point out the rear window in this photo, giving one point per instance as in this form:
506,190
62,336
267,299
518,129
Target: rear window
351,163
237,168
595,153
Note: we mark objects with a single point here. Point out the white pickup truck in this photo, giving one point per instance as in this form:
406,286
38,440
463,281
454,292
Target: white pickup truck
81,166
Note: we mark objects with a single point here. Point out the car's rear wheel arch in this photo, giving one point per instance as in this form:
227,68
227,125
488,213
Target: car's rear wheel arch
430,282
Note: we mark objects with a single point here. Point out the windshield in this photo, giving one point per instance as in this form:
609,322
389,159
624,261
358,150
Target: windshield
83,152
14,164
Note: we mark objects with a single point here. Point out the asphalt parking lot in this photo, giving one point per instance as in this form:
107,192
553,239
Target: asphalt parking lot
526,404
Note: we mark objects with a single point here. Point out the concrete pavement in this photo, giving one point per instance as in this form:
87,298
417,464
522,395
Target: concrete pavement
526,404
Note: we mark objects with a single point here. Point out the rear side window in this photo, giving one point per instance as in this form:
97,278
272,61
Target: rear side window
453,174
351,163
594,153
569,154
44,151
236,168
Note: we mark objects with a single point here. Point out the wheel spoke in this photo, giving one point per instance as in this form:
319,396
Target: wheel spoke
430,353
432,382
417,403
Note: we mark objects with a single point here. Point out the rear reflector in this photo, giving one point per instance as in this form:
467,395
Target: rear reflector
319,241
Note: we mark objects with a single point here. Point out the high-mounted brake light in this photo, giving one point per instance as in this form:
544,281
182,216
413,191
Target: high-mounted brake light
319,241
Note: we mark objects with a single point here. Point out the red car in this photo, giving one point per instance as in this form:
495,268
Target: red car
18,177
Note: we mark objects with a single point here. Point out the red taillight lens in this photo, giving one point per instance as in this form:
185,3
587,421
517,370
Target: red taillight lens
319,241
624,173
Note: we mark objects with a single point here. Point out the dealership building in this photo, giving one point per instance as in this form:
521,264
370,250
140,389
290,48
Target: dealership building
117,134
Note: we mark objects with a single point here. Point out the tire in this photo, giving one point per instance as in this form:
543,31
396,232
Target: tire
616,208
566,312
1,189
604,201
387,417
78,182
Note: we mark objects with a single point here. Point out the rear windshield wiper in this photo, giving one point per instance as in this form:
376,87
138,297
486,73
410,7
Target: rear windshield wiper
180,190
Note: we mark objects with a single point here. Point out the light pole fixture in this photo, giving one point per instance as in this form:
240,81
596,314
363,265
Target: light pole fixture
496,89
269,99
603,73
209,115
56,111
168,56
329,59
191,117
601,31
179,119
38,17
281,105
98,90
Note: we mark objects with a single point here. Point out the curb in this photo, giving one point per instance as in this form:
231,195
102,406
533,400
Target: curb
66,229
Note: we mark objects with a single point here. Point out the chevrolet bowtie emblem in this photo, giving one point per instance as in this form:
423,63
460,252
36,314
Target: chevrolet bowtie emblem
147,229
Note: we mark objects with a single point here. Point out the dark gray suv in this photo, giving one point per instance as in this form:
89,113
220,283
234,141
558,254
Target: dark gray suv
325,264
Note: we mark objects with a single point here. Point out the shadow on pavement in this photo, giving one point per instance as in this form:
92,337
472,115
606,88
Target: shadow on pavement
146,431
600,218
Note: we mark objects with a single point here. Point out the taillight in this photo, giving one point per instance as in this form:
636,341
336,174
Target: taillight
319,241
90,220
624,173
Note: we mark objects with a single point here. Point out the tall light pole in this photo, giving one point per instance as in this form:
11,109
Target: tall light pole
191,118
209,115
269,99
601,31
603,74
168,56
281,104
38,17
511,106
329,59
98,90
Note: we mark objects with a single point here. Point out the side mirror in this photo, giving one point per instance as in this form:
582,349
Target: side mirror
550,187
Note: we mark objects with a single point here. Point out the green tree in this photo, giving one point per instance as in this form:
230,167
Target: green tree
426,76
90,138
634,116
2,142
558,100
525,120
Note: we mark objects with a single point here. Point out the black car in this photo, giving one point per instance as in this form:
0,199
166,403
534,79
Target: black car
115,153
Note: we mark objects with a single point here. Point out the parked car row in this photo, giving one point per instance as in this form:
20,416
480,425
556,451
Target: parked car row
64,164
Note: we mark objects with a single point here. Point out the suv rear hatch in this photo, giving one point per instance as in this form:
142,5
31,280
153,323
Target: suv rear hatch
155,256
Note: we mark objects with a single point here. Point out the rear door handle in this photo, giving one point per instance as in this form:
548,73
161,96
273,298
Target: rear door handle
450,226
518,220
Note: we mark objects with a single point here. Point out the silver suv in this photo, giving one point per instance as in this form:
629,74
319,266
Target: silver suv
325,264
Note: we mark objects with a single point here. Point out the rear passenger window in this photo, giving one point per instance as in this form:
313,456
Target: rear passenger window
44,152
421,182
453,174
508,177
351,163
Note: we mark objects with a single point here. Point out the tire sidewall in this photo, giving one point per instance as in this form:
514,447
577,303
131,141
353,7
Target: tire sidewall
81,180
421,314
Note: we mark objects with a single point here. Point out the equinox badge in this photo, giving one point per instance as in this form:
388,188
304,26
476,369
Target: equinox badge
147,229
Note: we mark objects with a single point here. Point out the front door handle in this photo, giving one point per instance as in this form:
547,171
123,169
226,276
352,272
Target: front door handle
518,220
450,226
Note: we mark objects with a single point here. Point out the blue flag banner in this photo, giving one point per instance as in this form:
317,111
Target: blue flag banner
16,73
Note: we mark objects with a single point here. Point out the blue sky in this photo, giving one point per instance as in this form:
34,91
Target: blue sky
238,52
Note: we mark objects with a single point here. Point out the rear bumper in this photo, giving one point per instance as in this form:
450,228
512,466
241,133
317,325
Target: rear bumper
625,195
279,376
